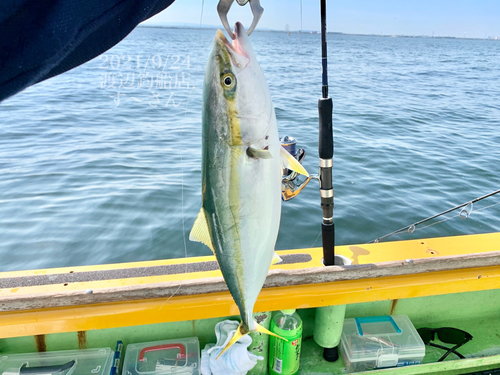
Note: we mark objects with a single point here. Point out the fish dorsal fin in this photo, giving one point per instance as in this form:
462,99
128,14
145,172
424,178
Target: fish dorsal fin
200,231
290,162
258,153
276,259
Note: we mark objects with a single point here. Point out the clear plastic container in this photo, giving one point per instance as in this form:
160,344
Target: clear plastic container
179,356
379,342
67,362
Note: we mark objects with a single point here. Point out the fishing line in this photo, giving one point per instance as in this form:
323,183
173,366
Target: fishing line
304,88
182,183
438,222
491,205
319,234
182,167
301,15
182,204
201,16
464,214
457,215
301,53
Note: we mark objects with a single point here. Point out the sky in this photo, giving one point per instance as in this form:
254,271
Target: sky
459,18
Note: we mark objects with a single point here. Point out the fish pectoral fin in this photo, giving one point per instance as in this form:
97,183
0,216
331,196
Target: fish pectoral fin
258,153
200,231
238,334
276,259
267,332
290,162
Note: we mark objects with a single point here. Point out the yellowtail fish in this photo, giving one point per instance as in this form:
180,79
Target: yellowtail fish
242,162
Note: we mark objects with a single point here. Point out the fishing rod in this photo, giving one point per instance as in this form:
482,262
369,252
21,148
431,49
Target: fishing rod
464,214
325,148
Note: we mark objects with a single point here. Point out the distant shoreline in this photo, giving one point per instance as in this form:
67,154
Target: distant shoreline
210,27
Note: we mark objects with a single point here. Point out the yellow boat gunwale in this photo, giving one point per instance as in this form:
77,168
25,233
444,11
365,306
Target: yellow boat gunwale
124,302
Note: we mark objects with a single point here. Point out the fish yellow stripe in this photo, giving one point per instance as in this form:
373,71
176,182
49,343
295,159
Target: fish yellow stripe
234,122
235,205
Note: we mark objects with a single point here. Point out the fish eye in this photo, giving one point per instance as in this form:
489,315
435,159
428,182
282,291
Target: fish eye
228,80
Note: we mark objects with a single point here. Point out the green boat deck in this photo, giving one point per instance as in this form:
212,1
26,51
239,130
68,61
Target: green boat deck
475,312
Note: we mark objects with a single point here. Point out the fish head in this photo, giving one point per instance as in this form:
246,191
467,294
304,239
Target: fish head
236,95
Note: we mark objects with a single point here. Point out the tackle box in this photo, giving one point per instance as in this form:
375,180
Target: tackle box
67,362
379,342
179,357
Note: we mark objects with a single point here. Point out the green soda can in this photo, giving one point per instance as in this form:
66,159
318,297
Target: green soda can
284,356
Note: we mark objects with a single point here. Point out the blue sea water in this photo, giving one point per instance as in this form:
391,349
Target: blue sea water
102,164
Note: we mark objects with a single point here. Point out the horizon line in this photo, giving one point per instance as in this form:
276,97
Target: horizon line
174,25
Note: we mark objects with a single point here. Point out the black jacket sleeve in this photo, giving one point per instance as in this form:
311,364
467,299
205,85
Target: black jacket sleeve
43,38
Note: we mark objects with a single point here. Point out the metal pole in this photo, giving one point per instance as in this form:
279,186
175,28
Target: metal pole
325,109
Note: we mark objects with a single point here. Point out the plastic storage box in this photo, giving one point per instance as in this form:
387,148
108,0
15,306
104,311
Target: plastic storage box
380,341
68,362
179,357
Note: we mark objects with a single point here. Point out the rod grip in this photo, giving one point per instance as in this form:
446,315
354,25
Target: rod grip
328,234
325,109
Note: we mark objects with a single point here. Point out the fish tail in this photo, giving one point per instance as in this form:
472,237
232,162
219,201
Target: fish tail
242,331
238,334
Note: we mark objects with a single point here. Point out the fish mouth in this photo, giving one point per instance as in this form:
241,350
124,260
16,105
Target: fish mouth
236,47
